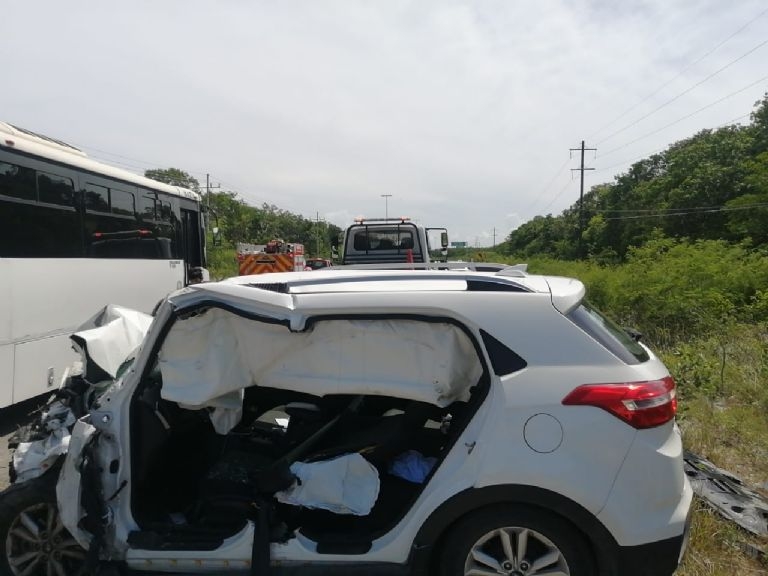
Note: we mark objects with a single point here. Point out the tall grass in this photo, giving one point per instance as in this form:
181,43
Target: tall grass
222,262
704,309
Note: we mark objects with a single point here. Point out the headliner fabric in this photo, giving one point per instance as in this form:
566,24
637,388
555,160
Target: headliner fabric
217,352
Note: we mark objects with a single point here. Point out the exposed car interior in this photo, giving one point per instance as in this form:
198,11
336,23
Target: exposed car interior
193,486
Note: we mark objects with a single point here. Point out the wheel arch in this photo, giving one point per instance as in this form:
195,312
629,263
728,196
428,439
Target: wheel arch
426,544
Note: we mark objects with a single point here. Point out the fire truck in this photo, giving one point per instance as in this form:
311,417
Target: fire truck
276,256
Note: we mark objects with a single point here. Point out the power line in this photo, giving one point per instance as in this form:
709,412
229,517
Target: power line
549,184
659,150
686,91
691,213
732,94
559,193
690,208
680,73
632,160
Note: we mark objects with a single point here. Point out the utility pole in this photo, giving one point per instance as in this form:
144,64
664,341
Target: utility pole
317,234
386,204
494,236
208,187
581,195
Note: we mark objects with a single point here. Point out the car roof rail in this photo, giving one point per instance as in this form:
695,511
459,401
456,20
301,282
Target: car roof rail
515,271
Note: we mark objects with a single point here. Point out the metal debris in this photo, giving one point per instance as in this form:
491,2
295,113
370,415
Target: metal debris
727,494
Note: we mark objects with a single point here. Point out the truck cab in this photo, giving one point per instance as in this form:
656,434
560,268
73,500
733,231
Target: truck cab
393,240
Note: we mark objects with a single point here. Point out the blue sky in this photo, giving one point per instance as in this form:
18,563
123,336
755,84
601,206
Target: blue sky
463,111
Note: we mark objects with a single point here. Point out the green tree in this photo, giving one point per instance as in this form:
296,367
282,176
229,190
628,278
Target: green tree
174,176
709,186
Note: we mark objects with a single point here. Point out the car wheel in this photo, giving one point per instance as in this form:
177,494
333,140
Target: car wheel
35,542
515,541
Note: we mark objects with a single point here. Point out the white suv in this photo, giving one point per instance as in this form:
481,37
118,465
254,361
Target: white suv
350,421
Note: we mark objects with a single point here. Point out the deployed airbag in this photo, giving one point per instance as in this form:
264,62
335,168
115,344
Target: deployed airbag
348,484
107,338
208,355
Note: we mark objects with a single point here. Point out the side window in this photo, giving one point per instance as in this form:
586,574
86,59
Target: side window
148,205
166,213
503,359
96,198
608,333
122,202
55,189
17,181
405,241
360,242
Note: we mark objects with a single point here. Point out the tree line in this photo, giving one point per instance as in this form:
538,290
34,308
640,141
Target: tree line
711,186
236,221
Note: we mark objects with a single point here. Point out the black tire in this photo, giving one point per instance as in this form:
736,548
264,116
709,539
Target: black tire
550,540
31,532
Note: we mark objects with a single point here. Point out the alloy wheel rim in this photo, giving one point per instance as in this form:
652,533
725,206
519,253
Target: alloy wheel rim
515,551
37,544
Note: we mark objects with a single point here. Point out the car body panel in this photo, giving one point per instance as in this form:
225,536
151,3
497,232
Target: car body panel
519,436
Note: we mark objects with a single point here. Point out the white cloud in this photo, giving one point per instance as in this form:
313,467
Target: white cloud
463,111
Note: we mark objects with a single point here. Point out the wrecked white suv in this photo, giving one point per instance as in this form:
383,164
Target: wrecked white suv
349,421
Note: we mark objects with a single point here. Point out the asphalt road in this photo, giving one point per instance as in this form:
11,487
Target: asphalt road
10,419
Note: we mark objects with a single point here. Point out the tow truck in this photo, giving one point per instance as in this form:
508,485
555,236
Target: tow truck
393,241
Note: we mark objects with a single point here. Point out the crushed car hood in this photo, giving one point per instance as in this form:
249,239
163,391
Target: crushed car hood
103,342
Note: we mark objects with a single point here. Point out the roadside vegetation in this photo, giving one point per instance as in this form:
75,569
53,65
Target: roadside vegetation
702,308
677,248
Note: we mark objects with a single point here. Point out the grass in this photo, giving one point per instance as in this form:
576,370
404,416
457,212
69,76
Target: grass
717,547
222,262
723,388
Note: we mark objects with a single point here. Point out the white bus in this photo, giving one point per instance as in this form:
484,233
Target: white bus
76,235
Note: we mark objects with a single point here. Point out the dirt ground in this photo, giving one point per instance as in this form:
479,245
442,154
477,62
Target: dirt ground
10,419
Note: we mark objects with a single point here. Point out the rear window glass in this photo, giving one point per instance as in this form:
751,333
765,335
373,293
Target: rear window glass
608,333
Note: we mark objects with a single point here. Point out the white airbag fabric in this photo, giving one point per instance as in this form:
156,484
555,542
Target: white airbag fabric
348,484
211,354
111,335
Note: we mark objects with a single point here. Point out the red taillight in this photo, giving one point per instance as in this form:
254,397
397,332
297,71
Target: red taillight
639,404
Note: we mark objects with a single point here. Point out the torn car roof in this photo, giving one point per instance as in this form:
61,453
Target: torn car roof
566,293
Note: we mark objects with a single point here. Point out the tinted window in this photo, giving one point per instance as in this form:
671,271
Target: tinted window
503,359
121,202
55,189
148,206
608,333
370,240
166,212
96,198
143,248
17,181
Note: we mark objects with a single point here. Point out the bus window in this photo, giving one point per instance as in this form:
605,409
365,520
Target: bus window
54,189
148,205
166,212
17,181
96,198
129,244
121,202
